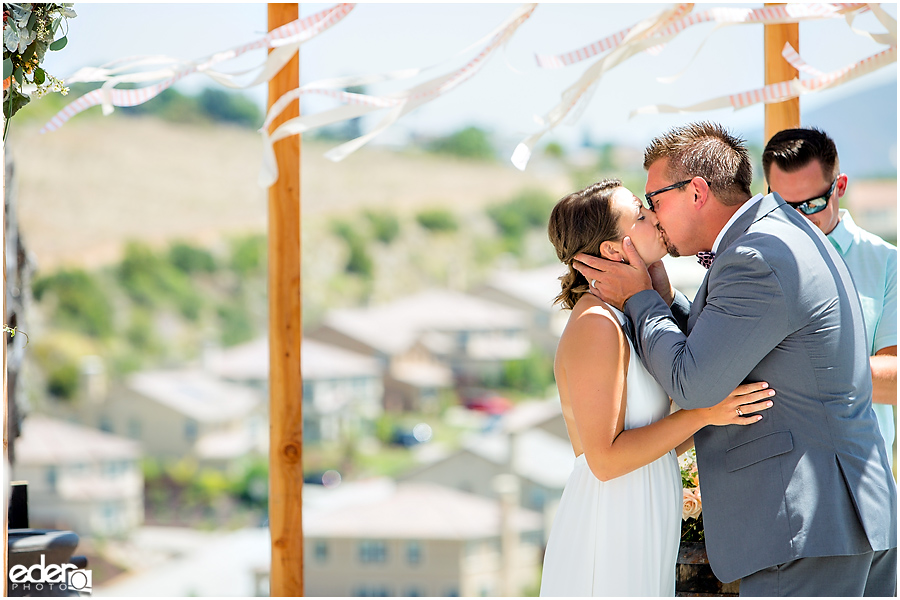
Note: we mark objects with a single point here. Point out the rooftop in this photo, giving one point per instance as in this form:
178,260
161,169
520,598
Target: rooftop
394,327
384,509
196,394
250,361
536,287
48,441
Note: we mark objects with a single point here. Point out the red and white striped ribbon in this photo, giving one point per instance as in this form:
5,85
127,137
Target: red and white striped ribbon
401,102
793,59
722,15
785,90
656,31
779,92
283,40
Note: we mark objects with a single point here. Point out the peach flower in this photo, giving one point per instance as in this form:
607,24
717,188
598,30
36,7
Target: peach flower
692,506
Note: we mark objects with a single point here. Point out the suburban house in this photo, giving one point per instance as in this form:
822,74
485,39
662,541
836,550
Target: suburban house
529,442
80,479
533,292
343,391
380,538
183,413
430,341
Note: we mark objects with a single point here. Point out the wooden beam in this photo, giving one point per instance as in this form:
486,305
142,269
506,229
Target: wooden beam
285,334
781,115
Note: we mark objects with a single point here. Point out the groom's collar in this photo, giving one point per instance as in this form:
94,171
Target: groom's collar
746,206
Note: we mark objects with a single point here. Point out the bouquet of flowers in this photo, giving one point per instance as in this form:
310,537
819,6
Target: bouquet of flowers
29,30
691,515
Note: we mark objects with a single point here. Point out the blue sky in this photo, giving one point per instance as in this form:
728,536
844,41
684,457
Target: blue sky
506,95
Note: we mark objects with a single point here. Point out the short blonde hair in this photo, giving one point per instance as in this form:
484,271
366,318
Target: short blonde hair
706,150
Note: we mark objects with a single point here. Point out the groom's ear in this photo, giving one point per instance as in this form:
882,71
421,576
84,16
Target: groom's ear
610,251
701,191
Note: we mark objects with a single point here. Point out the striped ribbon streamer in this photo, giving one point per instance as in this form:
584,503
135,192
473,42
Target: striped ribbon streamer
779,92
283,41
769,14
400,103
656,31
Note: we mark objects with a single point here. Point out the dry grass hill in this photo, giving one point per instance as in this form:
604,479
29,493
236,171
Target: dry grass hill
97,182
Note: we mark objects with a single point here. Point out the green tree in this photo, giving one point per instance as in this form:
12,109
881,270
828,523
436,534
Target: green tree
437,220
151,280
236,324
62,380
248,254
229,107
471,142
529,209
531,375
385,225
82,303
191,259
554,150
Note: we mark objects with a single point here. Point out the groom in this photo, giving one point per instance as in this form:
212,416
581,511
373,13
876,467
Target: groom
802,503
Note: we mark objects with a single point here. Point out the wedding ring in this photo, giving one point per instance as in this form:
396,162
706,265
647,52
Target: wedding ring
739,413
593,281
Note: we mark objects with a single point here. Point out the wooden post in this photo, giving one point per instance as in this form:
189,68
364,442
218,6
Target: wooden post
781,115
285,334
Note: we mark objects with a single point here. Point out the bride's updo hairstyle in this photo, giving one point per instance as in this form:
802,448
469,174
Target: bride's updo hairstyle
580,222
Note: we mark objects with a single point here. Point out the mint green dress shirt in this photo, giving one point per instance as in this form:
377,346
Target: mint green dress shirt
873,264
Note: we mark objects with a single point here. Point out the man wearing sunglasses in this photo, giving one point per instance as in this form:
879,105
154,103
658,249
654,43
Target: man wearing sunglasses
802,502
798,164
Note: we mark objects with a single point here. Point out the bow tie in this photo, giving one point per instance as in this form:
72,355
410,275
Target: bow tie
706,259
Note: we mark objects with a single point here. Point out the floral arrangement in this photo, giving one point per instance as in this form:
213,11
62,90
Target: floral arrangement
691,515
29,30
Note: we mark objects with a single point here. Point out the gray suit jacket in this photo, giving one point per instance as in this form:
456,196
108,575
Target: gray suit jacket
812,477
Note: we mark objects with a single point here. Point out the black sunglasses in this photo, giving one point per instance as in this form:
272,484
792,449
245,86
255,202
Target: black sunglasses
665,189
813,205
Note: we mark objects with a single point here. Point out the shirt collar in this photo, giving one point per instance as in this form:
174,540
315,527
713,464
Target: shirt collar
744,208
843,233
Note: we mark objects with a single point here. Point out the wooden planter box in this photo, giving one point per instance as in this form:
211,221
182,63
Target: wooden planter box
694,576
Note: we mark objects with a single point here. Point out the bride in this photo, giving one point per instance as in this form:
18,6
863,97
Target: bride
617,528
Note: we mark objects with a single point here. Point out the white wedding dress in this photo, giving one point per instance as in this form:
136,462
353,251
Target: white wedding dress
619,537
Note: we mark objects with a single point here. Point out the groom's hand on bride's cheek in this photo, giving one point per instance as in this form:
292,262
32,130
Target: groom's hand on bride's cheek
591,274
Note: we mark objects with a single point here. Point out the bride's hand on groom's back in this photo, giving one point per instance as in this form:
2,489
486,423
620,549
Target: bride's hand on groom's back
741,407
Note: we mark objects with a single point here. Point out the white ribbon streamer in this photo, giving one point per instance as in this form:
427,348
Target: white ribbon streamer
659,29
785,90
401,102
283,41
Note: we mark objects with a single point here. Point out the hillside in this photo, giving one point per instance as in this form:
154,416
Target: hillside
97,182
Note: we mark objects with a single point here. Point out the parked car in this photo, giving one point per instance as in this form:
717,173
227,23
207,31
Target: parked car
490,403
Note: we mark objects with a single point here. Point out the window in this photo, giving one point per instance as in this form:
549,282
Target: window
533,538
134,429
373,591
320,551
414,553
372,551
106,424
536,499
190,430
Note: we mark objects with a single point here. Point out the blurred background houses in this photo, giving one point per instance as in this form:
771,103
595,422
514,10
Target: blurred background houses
434,450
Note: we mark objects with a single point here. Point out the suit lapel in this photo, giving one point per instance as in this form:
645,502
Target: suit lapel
756,212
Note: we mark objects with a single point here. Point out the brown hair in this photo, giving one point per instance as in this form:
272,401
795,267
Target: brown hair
793,149
707,150
580,222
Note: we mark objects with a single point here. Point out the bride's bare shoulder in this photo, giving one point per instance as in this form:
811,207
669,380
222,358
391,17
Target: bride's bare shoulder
593,319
